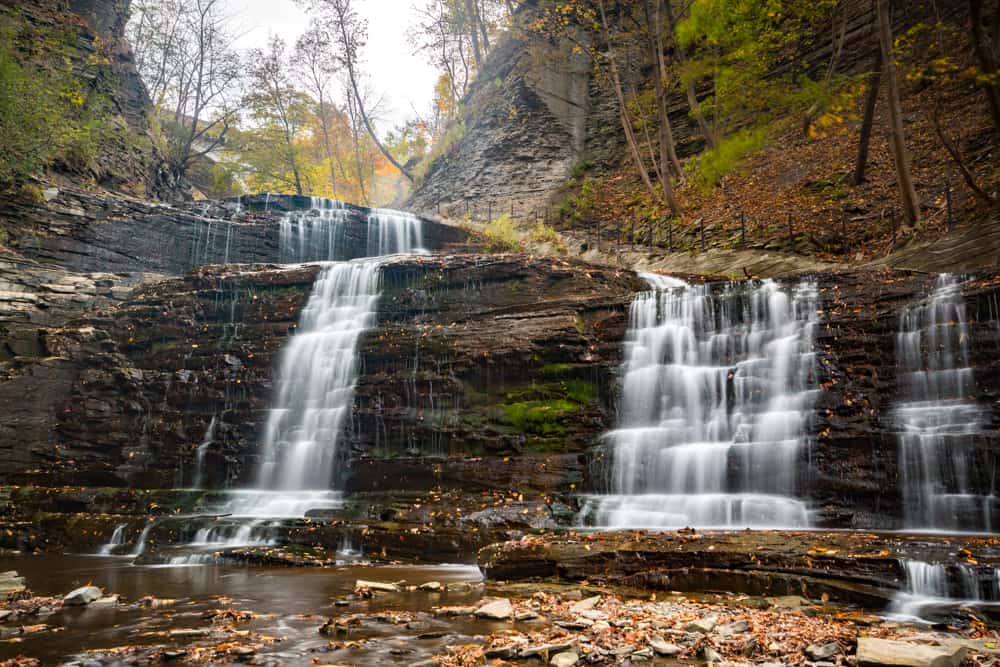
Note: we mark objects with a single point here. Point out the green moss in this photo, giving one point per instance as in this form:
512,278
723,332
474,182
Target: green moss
556,369
539,417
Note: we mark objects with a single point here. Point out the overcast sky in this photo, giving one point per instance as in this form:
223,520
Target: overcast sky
404,80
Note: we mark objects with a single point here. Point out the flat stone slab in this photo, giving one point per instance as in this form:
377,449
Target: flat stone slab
859,567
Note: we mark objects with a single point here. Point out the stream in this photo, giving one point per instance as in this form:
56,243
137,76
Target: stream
292,602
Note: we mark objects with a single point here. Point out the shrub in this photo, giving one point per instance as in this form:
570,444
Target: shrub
542,233
708,169
501,235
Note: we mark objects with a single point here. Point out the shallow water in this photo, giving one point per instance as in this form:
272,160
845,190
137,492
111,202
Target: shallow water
297,600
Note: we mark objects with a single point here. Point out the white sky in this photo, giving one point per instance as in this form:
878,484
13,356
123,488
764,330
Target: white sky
404,80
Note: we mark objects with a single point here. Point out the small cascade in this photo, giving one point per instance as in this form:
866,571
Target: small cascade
938,418
202,451
315,234
391,232
932,586
140,545
716,402
117,540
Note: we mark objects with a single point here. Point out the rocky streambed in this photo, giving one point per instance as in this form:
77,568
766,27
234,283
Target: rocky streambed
104,611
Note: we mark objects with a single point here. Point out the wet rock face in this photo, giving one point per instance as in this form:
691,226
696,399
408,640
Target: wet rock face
81,232
472,356
854,474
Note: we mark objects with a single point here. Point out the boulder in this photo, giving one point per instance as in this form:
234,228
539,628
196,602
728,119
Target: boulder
818,652
889,653
500,609
665,648
385,587
82,596
564,659
703,625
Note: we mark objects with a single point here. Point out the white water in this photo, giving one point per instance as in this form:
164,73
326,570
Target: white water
117,539
206,442
140,545
939,419
716,402
938,585
317,234
315,385
391,232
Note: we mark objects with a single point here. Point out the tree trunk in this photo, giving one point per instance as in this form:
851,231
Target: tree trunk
470,13
626,123
871,101
907,193
689,90
326,144
985,56
668,148
361,107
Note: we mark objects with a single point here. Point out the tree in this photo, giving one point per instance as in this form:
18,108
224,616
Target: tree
985,46
349,32
317,66
868,117
901,156
187,58
280,109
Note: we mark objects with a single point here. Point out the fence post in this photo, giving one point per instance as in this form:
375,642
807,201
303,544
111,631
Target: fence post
947,201
512,209
843,231
466,208
702,223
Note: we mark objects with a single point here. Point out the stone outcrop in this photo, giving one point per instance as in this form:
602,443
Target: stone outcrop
857,567
127,159
472,356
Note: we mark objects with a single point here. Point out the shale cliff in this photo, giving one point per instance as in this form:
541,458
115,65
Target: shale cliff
88,37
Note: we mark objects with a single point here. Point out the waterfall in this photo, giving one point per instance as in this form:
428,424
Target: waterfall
317,233
939,585
394,232
206,442
315,388
938,418
117,539
717,397
140,545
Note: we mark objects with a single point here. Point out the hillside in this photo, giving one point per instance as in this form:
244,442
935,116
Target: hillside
542,139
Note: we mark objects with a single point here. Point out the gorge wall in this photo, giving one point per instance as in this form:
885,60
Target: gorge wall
91,33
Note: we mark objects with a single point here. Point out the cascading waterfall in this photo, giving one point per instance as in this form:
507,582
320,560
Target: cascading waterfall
716,402
315,234
117,540
940,585
391,232
202,451
315,388
938,418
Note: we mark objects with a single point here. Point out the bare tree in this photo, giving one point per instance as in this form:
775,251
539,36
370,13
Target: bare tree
190,66
986,45
349,32
871,101
907,193
626,122
276,103
317,66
